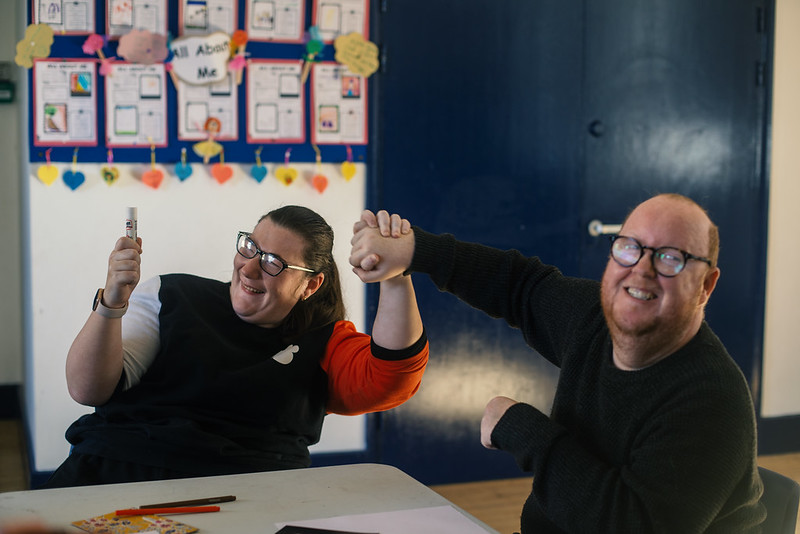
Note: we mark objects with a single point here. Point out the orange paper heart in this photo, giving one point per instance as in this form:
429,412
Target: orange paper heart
320,182
153,178
47,174
287,175
221,172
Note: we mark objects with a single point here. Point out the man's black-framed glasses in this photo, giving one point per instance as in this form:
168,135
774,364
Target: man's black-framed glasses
667,261
270,263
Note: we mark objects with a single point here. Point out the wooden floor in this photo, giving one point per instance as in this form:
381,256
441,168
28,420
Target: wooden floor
497,502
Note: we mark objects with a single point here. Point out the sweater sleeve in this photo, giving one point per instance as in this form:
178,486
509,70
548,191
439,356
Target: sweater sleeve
691,470
364,377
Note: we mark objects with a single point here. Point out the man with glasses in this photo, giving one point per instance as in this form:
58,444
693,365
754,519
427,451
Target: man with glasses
652,427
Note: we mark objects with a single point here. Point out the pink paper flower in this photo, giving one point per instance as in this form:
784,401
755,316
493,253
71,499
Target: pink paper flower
143,47
93,44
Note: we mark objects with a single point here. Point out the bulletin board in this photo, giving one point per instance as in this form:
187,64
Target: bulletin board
82,107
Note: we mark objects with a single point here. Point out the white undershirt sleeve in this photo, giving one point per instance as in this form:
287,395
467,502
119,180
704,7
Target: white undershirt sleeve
140,331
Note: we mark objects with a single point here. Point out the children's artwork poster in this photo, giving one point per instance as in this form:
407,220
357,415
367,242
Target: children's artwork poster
69,17
122,16
197,103
136,105
200,17
275,101
340,17
275,20
338,105
65,102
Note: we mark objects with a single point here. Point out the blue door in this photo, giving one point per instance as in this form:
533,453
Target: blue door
514,124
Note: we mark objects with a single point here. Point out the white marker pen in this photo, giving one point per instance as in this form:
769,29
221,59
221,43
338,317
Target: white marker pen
130,223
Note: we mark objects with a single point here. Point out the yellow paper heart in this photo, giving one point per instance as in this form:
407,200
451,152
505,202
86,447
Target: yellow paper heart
287,175
47,174
348,169
109,174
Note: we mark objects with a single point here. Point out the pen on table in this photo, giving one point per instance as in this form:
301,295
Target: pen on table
168,510
192,502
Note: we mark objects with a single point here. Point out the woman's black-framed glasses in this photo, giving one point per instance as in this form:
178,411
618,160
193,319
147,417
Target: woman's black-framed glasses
270,263
667,261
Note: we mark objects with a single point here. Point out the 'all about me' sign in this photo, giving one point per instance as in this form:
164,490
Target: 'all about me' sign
203,59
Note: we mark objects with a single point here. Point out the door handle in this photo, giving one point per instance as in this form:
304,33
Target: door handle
597,228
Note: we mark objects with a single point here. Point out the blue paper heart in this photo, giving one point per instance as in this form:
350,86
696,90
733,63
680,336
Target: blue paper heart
183,170
258,172
74,179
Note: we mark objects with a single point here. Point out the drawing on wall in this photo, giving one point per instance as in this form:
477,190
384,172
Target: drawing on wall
65,16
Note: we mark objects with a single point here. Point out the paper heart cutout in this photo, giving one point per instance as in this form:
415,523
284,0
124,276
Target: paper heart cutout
74,179
258,172
183,171
221,172
109,174
287,175
348,169
153,178
47,174
320,182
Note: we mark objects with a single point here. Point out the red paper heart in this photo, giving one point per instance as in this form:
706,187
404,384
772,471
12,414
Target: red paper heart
153,178
320,182
222,173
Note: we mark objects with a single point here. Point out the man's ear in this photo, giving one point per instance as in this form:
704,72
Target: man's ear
709,283
313,283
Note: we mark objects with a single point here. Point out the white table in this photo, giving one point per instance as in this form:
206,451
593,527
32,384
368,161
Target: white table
262,499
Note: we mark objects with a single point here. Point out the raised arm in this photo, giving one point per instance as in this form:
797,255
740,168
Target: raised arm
94,361
397,322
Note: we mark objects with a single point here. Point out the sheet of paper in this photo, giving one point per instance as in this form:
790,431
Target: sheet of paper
275,20
338,105
435,520
136,105
196,103
65,102
67,16
341,17
201,17
275,108
122,16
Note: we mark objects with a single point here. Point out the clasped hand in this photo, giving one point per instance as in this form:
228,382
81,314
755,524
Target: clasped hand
124,270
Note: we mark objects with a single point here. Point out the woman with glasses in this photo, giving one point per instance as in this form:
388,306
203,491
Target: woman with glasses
205,378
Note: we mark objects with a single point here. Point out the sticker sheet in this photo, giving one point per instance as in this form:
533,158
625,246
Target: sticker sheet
136,110
65,102
340,17
275,101
201,17
70,17
196,103
111,524
275,20
122,16
338,105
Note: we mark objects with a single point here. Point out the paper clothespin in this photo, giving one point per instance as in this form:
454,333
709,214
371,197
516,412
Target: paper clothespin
47,173
237,63
286,174
154,176
109,172
183,170
209,148
258,171
348,167
313,48
74,178
319,181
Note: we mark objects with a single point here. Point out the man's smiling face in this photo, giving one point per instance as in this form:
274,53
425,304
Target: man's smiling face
644,308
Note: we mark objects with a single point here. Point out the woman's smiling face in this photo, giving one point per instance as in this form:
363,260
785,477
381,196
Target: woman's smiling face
265,300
